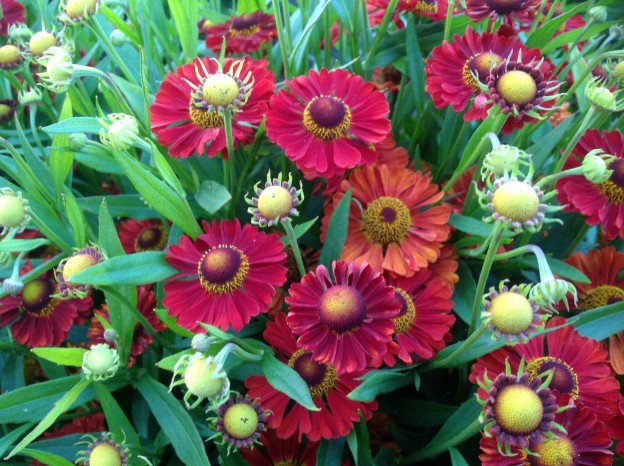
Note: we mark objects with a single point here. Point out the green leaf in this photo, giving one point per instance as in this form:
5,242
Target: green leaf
430,413
158,194
544,34
288,381
464,292
116,419
174,421
299,230
171,323
185,16
140,268
108,237
602,322
165,170
59,408
559,268
89,125
378,382
76,219
544,147
571,36
47,457
20,245
170,361
473,226
212,196
456,457
415,68
300,48
329,452
10,438
359,443
120,205
63,356
61,162
336,231
122,311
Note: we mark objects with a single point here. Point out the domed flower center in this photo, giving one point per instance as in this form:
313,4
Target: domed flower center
554,452
151,239
321,378
106,454
504,7
274,202
564,378
601,296
9,55
36,297
203,118
200,379
40,42
386,220
327,117
613,188
428,6
517,201
511,313
76,8
76,264
517,87
220,90
12,211
407,316
223,269
481,65
5,111
240,421
518,409
246,24
342,308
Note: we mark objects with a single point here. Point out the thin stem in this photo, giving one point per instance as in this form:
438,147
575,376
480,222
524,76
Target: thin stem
93,24
485,272
571,48
586,123
33,128
447,361
41,268
577,239
381,32
292,239
283,41
556,176
229,163
449,18
538,16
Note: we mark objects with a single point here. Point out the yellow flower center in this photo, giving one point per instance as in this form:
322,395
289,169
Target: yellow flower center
76,8
342,308
4,111
321,378
511,313
36,298
40,42
204,118
613,188
152,239
517,87
327,117
76,264
386,220
9,55
200,379
105,454
407,316
220,90
554,452
275,201
601,296
480,64
518,409
245,25
240,421
12,211
564,378
517,201
223,269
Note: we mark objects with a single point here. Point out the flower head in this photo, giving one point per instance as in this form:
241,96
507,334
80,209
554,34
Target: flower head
276,202
503,160
239,422
41,41
29,96
601,97
79,261
243,34
103,452
12,13
59,69
121,133
77,11
14,211
10,57
7,110
100,362
142,235
509,10
547,293
595,166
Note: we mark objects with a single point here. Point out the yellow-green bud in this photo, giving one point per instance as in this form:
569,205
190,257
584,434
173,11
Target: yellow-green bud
59,69
618,72
14,211
100,362
9,56
40,42
79,9
78,141
29,96
122,132
117,38
598,14
595,167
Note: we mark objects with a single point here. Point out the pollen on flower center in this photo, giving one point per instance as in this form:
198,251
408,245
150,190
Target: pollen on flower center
481,64
204,118
320,377
517,87
275,201
511,313
105,454
327,117
240,421
564,378
246,24
554,452
220,90
407,315
504,7
601,296
518,409
386,220
613,188
76,264
222,269
36,297
342,308
516,200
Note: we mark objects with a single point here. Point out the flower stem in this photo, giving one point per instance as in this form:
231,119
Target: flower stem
381,32
292,239
448,361
586,123
35,272
449,18
93,24
495,239
283,40
228,164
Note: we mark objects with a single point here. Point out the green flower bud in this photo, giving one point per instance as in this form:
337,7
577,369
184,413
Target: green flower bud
117,38
595,166
601,98
78,141
122,132
14,211
598,14
201,342
101,362
29,96
549,292
59,69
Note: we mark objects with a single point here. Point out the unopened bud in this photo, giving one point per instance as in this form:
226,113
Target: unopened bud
595,166
101,362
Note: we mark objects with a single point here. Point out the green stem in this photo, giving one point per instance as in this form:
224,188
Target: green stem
292,239
229,163
571,48
538,16
94,25
577,239
448,361
449,19
547,180
381,32
485,272
283,41
41,268
586,123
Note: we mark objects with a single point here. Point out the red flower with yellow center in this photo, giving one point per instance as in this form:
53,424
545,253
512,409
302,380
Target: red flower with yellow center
388,226
12,13
142,235
510,10
283,452
243,34
328,121
329,392
227,276
346,321
601,204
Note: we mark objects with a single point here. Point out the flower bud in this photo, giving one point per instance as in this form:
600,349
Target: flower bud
29,96
110,335
595,167
117,38
601,98
78,141
122,132
59,69
598,14
100,362
40,42
13,286
14,211
10,57
201,342
618,72
503,160
204,378
551,291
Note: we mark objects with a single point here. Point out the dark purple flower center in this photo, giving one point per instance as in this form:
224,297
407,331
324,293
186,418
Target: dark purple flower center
150,239
342,308
223,269
36,296
245,22
505,7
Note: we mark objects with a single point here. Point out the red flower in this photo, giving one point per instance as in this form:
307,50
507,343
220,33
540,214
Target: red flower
142,235
277,451
432,9
422,328
229,275
395,233
601,204
449,71
329,392
580,367
12,13
510,10
586,443
146,302
243,34
326,122
188,110
38,318
345,321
